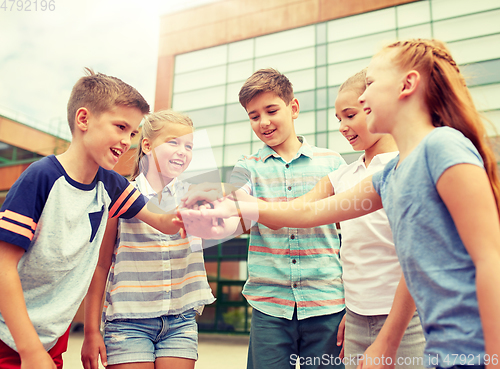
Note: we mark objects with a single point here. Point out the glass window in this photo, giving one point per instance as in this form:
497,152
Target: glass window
333,122
218,156
290,61
200,79
201,59
321,139
337,142
332,95
236,113
474,50
305,123
321,51
451,8
362,24
358,48
486,97
233,89
321,121
306,100
239,71
467,27
302,80
241,50
293,39
311,139
256,145
233,152
493,122
207,117
321,77
199,99
413,13
216,135
321,101
421,31
482,73
320,33
338,73
238,132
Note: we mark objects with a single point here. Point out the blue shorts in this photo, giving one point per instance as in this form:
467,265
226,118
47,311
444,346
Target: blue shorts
143,340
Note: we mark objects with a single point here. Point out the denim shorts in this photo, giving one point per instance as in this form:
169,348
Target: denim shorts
143,340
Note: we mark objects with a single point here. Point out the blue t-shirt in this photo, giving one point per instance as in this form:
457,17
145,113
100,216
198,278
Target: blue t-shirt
60,223
438,270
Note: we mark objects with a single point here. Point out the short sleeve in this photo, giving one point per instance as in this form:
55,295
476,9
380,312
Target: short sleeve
241,176
448,147
24,203
126,200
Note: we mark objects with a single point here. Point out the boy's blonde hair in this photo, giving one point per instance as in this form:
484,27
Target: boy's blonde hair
356,82
99,93
266,80
153,124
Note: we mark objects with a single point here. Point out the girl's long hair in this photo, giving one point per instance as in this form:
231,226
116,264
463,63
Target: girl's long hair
447,96
153,123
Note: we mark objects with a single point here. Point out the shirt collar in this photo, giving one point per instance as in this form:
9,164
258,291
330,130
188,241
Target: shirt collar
266,152
383,158
147,190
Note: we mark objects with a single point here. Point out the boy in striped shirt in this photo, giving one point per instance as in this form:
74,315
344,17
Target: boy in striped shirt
294,275
53,220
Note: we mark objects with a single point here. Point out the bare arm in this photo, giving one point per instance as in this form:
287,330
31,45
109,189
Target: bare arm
93,344
355,202
15,313
321,190
466,191
162,222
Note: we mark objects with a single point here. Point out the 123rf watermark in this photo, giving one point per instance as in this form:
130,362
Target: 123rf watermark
28,5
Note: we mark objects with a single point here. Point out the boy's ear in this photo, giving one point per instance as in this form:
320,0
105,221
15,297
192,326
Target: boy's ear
410,83
82,119
295,108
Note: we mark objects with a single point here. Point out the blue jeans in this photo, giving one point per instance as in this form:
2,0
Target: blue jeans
279,343
143,340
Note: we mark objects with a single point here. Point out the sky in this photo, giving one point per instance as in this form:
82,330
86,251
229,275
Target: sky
43,53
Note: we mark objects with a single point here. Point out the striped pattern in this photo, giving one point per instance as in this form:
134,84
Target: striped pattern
154,274
291,266
17,223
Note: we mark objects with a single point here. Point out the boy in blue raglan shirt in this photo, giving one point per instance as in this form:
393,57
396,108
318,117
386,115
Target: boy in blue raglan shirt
53,220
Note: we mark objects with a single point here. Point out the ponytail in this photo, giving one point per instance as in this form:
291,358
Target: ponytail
448,98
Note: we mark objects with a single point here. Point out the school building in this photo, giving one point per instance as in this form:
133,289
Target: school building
207,52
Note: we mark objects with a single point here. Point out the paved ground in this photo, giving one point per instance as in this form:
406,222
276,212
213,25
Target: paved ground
215,352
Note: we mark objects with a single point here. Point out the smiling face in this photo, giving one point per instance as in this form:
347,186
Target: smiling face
383,85
173,148
272,119
352,119
108,135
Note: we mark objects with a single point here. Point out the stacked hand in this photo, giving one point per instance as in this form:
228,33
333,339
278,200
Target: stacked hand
203,212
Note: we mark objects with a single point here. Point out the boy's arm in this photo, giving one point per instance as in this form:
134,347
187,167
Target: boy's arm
15,313
93,343
389,338
473,208
162,222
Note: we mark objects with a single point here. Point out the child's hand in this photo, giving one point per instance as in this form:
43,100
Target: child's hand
340,336
93,347
198,222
